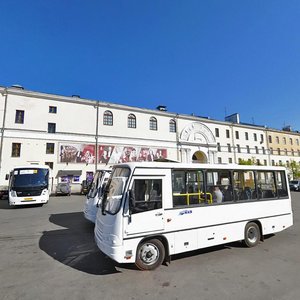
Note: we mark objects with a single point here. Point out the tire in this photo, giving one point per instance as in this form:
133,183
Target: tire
252,234
150,255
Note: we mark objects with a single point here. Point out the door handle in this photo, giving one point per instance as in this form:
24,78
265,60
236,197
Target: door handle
158,214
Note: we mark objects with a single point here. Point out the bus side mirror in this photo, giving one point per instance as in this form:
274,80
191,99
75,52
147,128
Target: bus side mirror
131,201
6,176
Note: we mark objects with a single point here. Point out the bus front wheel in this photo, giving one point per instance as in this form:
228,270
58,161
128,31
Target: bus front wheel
150,254
252,234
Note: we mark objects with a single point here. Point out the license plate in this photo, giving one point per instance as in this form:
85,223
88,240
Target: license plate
28,199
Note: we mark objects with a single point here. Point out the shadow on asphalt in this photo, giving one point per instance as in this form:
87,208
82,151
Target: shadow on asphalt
74,246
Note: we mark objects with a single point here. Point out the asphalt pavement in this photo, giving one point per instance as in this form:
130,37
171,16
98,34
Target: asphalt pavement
49,253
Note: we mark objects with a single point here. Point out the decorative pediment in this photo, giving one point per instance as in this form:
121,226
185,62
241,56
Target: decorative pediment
197,133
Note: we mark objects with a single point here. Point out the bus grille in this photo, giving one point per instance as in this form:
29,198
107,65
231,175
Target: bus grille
29,193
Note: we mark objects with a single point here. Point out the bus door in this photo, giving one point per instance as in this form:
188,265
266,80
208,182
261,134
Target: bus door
146,212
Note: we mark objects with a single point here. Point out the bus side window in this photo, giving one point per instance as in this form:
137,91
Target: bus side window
244,185
147,195
266,184
281,184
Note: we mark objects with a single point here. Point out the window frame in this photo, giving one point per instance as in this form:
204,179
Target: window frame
16,149
153,123
51,127
108,118
131,121
20,116
49,149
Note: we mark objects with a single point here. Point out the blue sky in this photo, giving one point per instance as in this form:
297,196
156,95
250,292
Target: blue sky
194,56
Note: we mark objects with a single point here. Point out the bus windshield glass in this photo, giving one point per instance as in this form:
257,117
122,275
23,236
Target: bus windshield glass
93,190
114,190
30,178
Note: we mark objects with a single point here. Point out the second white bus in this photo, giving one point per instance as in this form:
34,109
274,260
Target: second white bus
29,185
151,211
94,196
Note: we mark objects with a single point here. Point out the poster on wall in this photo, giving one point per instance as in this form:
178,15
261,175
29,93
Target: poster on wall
122,154
108,154
77,153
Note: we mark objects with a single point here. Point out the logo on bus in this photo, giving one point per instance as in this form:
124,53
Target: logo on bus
185,212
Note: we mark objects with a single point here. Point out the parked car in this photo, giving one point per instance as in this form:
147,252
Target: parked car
63,188
295,185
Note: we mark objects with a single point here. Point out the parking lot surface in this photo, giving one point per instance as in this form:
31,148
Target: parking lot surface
49,253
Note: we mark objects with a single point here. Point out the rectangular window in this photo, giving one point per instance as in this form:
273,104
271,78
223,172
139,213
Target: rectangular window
19,119
146,195
51,127
237,136
266,184
228,147
255,137
284,141
281,184
277,139
217,132
52,109
263,150
297,142
16,150
244,185
227,133
219,147
256,149
278,151
238,148
261,138
271,151
265,162
50,148
270,139
219,188
188,187
291,141
273,162
219,160
230,160
246,136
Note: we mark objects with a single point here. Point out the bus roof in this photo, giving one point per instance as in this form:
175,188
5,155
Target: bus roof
169,165
32,167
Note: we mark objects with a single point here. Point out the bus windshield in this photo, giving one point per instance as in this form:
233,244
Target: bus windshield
114,190
93,190
29,178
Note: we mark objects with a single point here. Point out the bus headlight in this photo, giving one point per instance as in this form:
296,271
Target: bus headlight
44,192
13,193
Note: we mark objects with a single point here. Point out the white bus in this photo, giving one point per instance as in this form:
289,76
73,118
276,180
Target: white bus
29,185
151,211
94,196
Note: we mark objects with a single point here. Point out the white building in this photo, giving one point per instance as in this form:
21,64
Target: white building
77,136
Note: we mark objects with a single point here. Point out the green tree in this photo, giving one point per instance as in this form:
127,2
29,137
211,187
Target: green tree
294,169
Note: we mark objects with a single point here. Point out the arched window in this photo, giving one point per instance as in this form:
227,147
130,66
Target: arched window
131,121
108,118
172,125
153,123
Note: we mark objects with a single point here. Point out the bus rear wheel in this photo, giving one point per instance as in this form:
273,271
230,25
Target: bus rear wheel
150,254
252,234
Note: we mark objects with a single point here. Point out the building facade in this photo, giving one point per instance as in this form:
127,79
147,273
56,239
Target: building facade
76,136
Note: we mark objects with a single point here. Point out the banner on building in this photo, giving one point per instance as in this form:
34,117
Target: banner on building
77,153
108,154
